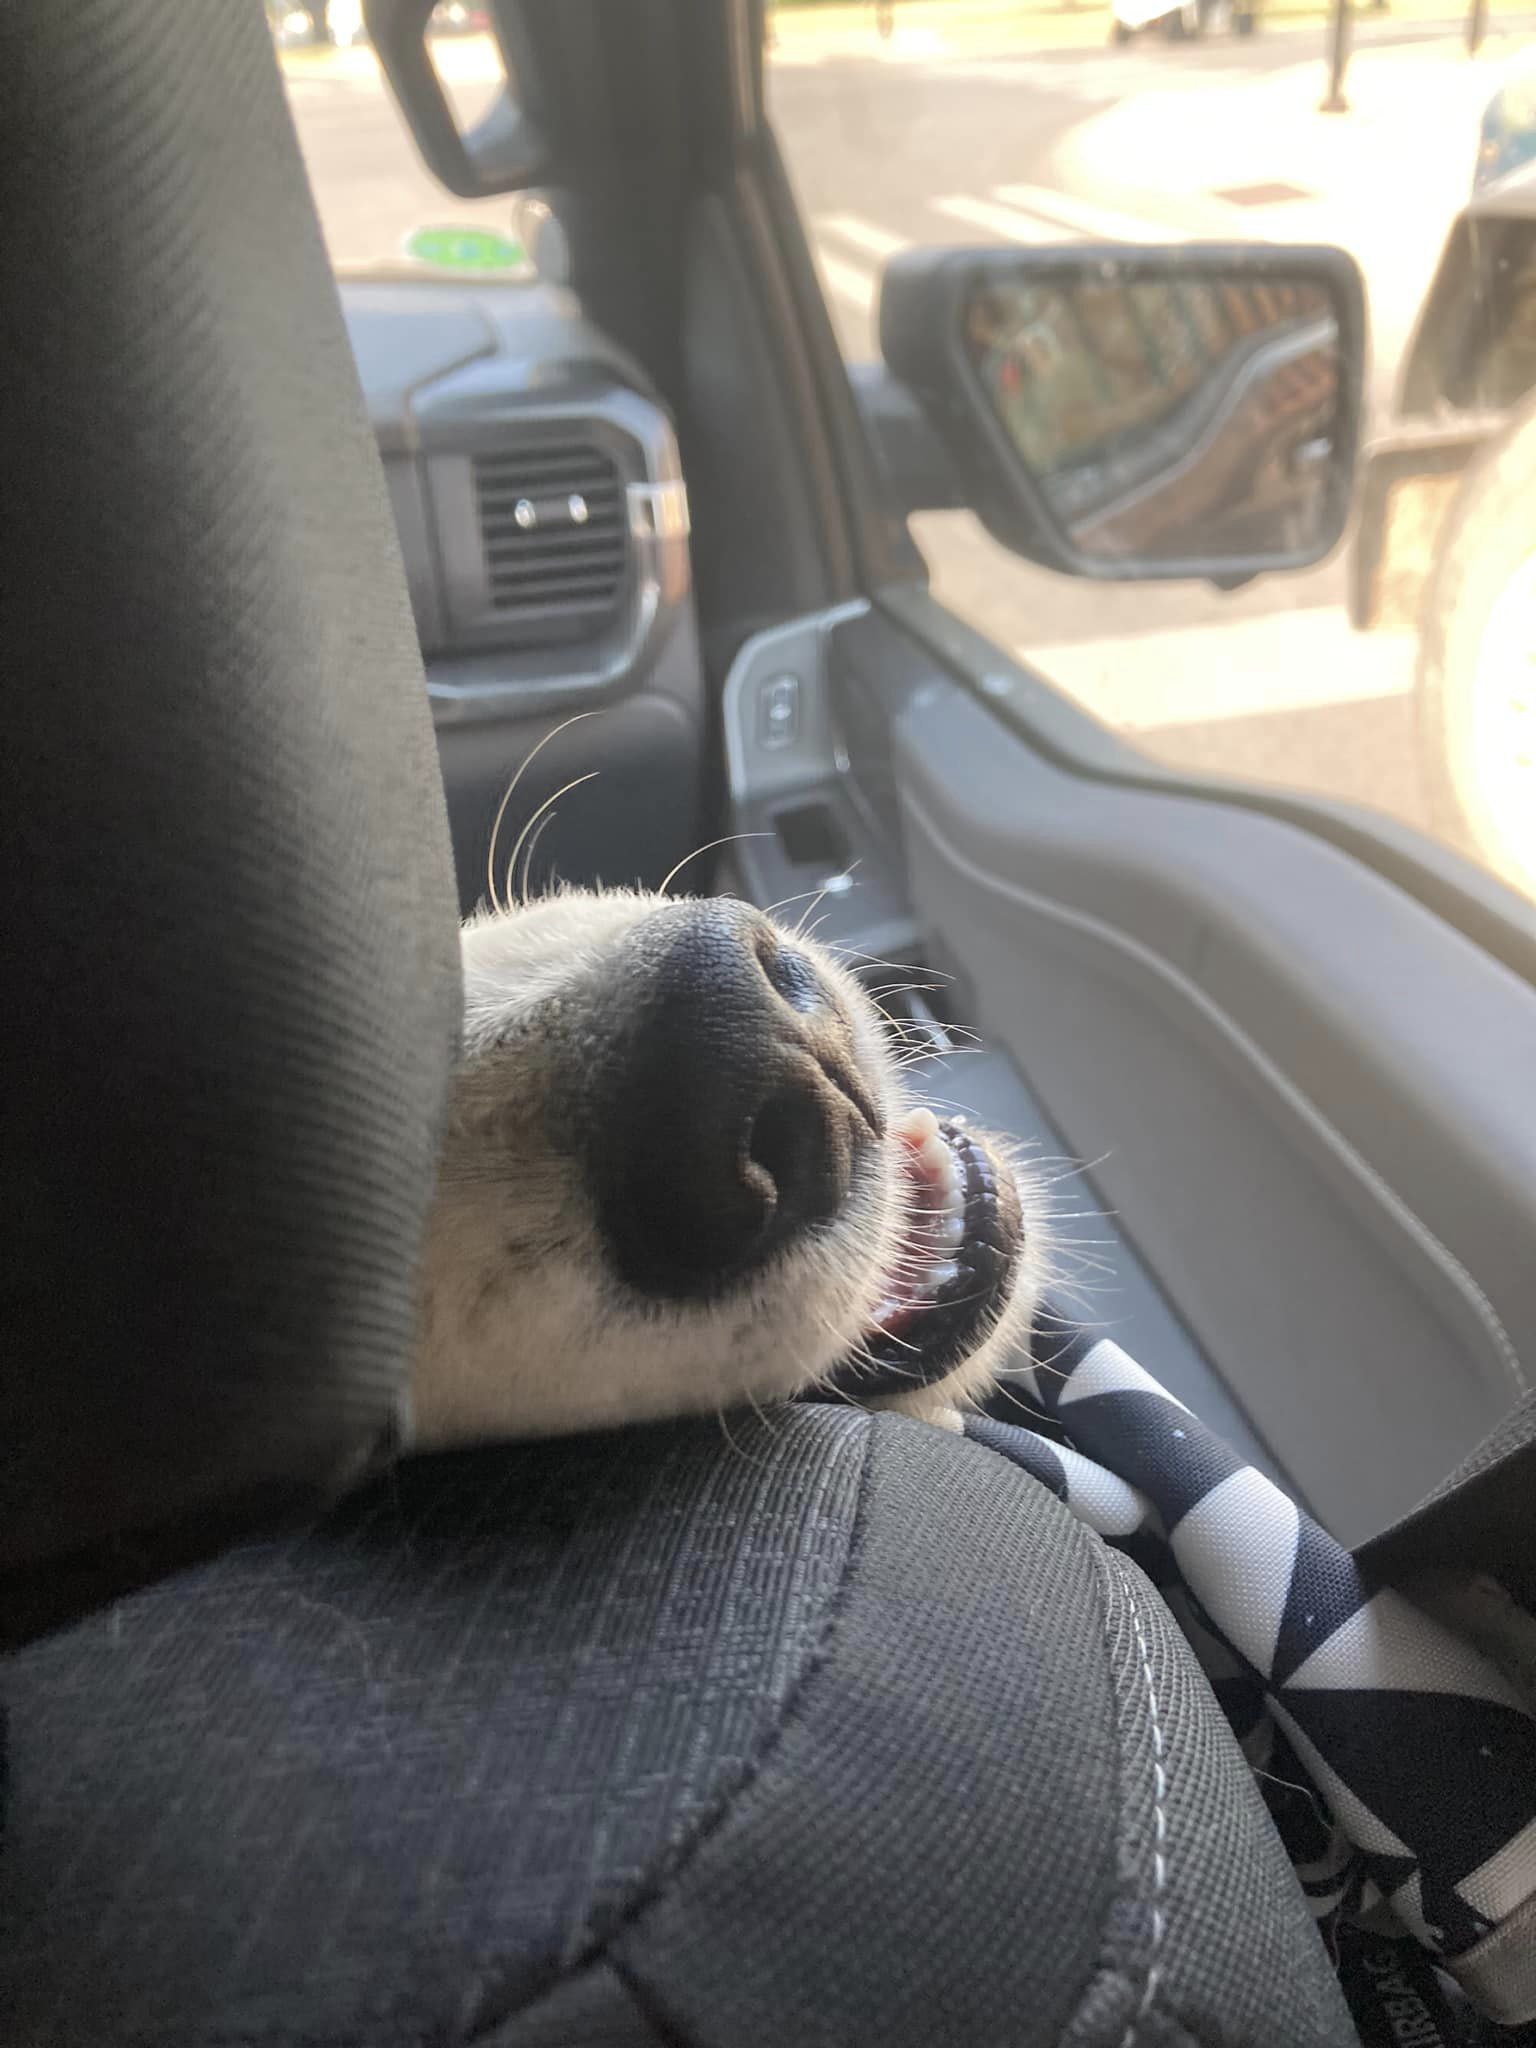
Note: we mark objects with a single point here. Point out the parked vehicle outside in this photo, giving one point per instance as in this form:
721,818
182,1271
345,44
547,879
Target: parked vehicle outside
1181,20
1446,535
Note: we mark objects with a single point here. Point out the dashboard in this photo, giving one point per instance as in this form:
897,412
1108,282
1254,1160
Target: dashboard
543,524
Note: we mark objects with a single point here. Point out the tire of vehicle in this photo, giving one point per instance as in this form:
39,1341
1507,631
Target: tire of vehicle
1476,680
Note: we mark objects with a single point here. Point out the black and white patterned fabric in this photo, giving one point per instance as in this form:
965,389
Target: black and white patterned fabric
1397,1762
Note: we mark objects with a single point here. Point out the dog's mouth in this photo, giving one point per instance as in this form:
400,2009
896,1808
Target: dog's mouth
959,1247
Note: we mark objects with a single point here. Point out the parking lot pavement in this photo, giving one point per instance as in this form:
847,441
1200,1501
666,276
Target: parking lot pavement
1383,180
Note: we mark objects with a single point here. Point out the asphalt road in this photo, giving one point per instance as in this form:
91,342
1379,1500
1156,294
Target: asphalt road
1267,682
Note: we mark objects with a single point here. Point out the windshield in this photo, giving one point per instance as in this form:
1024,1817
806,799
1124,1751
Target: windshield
996,124
378,203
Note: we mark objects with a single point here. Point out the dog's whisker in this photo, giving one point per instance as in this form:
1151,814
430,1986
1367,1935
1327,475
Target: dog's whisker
506,797
837,1393
891,1338
524,889
1076,1166
547,805
1060,1179
761,1413
784,901
815,928
856,1353
917,1039
734,1447
1030,1408
1082,1299
1090,1266
835,1337
800,896
730,839
900,988
948,1102
896,966
901,1372
799,931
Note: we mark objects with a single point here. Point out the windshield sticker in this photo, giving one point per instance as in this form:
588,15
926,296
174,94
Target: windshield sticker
477,250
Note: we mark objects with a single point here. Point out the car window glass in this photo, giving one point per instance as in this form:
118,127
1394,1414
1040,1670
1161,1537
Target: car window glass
949,122
1038,123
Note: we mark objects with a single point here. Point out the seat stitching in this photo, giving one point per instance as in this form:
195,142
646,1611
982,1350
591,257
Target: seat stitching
1154,1969
1114,1580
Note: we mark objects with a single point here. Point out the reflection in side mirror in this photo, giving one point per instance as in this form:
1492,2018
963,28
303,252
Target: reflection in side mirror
1178,412
1167,418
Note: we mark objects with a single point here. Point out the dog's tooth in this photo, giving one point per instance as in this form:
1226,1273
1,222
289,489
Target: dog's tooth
941,1273
951,1231
920,1124
936,1156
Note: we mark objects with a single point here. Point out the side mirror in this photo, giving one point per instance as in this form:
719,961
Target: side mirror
1140,414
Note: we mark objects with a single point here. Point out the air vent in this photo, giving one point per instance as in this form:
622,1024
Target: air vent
552,524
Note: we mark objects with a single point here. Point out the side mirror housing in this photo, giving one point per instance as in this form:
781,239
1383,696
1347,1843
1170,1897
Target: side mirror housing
1141,414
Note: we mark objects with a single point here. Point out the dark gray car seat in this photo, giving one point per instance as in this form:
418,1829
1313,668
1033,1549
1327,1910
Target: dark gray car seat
828,1728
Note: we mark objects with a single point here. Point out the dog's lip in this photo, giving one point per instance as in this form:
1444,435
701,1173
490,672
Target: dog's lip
960,1247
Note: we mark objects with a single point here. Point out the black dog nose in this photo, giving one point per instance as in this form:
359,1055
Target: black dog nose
735,1110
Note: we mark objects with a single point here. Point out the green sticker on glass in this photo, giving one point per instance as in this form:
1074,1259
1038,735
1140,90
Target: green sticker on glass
471,249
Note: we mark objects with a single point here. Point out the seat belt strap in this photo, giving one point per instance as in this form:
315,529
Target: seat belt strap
1481,1519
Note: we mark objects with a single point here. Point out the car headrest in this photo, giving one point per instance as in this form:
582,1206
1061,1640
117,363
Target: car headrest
229,921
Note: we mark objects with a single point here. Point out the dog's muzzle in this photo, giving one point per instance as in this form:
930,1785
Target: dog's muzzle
730,1116
735,1116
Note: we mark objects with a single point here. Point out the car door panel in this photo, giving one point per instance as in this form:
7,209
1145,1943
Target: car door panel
1267,1046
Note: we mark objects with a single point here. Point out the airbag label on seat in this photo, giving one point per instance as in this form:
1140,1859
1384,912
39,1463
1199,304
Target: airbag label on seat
1397,1998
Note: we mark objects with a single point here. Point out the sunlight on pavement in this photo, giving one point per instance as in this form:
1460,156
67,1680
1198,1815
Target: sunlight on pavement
1250,668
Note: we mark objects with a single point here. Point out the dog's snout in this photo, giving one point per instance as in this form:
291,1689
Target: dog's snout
738,1110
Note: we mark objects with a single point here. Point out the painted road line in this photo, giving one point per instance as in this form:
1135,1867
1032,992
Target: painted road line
794,48
1101,223
1086,80
999,220
1281,662
863,234
858,287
